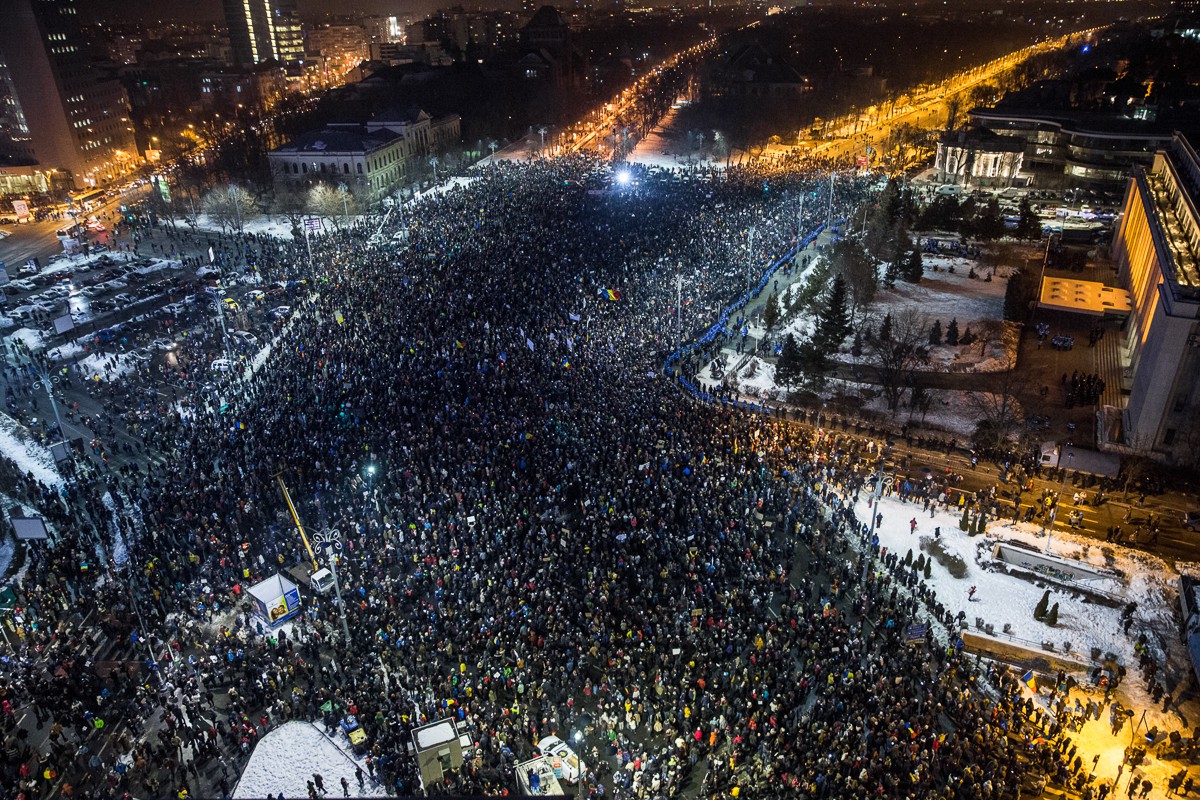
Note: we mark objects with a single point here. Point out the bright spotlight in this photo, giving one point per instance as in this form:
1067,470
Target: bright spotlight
623,177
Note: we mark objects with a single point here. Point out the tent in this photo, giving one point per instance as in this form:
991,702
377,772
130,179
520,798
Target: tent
275,599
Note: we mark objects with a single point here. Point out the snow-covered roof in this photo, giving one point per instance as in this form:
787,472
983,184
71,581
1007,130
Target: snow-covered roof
435,734
1084,297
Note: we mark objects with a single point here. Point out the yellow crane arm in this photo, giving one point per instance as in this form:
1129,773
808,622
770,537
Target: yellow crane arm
296,519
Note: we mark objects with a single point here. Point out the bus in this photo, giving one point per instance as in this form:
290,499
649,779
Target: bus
88,200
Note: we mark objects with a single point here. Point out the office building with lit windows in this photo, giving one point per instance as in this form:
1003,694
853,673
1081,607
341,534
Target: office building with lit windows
57,114
264,30
1157,251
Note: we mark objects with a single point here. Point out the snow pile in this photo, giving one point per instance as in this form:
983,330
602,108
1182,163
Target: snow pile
29,337
667,146
286,758
30,457
107,366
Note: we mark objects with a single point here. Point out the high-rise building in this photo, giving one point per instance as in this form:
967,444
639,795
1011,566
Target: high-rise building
264,30
289,34
56,110
1157,251
250,31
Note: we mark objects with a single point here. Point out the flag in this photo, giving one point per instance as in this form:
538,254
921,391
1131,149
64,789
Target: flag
613,294
460,344
1029,680
529,344
574,317
211,255
503,358
566,364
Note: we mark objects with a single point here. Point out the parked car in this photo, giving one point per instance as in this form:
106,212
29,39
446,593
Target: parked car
555,749
279,312
164,345
222,365
1191,520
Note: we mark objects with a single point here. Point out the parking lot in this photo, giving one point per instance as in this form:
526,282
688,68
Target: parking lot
108,314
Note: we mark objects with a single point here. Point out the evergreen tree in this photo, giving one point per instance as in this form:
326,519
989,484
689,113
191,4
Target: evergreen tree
1040,610
788,369
914,266
935,332
967,337
814,362
1029,227
928,568
856,349
770,312
833,322
891,273
989,222
1019,294
920,565
1052,617
965,522
885,328
908,558
952,333
980,524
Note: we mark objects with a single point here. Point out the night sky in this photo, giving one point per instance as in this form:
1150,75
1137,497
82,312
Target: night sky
211,9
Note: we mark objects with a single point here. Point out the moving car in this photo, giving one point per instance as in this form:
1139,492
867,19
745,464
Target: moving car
1191,520
279,312
164,345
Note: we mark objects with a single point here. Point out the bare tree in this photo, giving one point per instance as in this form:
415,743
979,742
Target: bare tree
162,207
231,207
997,404
953,107
335,203
290,202
897,359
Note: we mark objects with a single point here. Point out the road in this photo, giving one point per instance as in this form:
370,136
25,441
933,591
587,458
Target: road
40,239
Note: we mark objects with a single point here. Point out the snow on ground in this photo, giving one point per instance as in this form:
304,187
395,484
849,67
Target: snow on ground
667,146
1002,599
68,351
266,224
447,185
944,295
32,339
286,758
107,366
949,409
28,455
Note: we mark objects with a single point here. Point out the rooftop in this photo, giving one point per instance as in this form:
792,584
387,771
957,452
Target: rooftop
339,140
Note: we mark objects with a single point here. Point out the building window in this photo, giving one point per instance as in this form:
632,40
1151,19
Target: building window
345,167
1169,437
295,169
359,167
305,165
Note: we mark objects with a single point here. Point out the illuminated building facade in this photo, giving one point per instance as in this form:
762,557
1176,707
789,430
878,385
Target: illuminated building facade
1157,250
55,110
264,30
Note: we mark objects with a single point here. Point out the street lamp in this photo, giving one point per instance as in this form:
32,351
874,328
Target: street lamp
47,381
329,541
345,205
883,479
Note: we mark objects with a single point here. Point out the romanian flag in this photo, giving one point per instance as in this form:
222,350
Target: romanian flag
613,294
1029,680
460,344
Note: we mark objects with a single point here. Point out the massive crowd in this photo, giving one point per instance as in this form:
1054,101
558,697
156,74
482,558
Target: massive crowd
543,534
